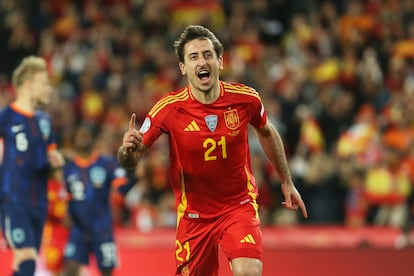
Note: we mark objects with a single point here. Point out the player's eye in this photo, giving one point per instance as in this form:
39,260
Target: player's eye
208,55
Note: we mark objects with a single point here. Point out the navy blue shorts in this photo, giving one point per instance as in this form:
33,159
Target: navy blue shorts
80,246
22,226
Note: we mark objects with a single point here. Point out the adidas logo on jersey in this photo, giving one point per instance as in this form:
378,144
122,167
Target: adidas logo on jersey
192,127
248,239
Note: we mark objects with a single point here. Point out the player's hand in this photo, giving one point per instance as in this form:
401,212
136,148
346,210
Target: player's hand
293,200
56,159
132,140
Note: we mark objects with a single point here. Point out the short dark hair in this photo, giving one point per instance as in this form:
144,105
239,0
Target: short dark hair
192,32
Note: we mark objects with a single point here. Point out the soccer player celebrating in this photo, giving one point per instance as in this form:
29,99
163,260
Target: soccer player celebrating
28,152
90,177
207,125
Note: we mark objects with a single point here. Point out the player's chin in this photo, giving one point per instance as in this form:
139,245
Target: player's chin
205,82
205,87
43,103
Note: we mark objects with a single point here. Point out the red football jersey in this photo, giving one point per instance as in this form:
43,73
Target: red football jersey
209,153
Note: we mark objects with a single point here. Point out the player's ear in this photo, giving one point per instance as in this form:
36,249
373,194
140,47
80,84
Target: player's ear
221,62
182,68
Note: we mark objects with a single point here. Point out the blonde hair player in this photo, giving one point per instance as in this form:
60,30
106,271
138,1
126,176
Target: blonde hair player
28,153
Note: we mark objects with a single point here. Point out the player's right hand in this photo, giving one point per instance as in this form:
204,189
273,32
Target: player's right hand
132,140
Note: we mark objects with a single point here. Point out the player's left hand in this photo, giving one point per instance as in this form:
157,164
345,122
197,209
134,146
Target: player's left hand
56,159
293,200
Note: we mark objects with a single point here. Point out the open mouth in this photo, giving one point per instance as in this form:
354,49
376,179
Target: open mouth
203,75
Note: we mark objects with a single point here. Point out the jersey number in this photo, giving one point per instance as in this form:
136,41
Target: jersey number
77,190
211,145
21,142
182,248
109,257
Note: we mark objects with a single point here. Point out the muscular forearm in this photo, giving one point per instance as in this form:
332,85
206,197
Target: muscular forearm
273,147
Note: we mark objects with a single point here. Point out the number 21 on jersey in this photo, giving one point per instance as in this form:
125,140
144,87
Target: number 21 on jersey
211,145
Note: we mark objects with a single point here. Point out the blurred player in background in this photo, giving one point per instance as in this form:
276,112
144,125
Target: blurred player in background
90,178
28,152
56,231
207,125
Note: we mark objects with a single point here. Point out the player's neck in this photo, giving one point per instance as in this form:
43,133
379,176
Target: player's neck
25,104
206,97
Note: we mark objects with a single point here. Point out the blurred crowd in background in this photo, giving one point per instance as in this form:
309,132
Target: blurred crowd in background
336,78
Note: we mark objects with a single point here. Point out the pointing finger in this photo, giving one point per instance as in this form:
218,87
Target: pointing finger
132,122
303,209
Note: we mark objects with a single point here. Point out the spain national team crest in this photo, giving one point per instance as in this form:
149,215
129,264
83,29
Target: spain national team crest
211,122
231,118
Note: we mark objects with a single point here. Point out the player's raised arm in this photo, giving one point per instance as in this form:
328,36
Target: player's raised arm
132,148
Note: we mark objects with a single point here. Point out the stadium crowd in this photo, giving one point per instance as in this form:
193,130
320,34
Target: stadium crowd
336,77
